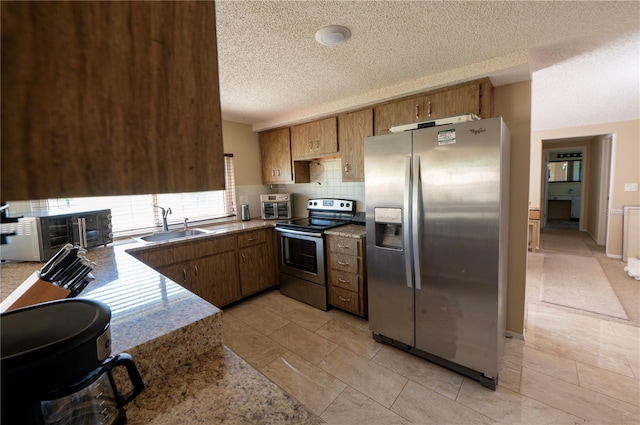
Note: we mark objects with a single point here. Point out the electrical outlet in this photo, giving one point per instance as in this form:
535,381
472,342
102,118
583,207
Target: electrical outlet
631,187
244,199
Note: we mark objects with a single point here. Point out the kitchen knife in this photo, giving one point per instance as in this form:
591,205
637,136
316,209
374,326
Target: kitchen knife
67,274
80,282
77,274
47,269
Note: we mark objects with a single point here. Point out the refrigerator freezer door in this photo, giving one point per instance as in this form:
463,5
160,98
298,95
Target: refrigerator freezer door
390,283
457,306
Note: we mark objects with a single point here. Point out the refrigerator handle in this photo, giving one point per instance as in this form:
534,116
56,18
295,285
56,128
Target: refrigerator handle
415,225
406,220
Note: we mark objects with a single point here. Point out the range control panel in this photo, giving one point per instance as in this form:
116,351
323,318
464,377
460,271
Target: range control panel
324,204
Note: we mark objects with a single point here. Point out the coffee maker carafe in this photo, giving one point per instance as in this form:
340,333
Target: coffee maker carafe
57,366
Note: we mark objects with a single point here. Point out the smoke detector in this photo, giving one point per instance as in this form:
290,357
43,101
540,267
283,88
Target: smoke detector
332,35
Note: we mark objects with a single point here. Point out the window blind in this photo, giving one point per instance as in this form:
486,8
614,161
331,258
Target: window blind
136,212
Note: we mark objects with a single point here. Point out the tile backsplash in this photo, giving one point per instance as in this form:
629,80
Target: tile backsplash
326,182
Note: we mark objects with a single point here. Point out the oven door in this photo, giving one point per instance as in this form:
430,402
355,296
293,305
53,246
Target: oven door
301,255
269,211
284,210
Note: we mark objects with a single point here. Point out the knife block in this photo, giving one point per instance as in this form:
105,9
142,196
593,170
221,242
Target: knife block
33,291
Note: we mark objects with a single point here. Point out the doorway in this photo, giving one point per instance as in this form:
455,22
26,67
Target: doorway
576,181
564,185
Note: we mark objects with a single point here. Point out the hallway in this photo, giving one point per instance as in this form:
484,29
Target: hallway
570,244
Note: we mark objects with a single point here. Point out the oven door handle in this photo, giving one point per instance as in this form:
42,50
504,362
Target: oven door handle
299,232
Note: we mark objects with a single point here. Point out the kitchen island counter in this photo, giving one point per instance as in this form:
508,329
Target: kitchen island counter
175,338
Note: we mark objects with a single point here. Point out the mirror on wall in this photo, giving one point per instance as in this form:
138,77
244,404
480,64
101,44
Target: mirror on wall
564,171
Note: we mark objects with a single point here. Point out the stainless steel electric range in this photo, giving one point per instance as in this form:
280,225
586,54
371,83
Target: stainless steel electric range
302,269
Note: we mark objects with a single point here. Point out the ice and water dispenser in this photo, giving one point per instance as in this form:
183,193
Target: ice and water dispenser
388,223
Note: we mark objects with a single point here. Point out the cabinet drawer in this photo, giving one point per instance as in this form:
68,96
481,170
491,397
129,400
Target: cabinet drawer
343,245
344,280
345,263
252,238
346,300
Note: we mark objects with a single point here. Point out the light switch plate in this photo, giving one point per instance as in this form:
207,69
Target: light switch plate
631,187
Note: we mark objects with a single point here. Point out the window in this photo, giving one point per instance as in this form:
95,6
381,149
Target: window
135,212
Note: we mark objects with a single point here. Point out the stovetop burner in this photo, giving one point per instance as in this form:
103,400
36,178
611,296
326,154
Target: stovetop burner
324,214
311,223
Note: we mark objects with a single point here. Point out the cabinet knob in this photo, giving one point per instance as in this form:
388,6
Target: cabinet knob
310,144
346,168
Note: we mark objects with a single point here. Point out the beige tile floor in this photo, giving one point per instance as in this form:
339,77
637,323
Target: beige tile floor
571,367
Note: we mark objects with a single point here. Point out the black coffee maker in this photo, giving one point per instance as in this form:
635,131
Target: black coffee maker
57,366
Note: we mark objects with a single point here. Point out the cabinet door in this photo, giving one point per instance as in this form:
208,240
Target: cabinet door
397,113
301,140
352,130
215,278
275,153
314,139
178,273
254,269
327,137
109,98
458,101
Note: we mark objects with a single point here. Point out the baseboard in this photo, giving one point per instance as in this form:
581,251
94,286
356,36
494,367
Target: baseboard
514,335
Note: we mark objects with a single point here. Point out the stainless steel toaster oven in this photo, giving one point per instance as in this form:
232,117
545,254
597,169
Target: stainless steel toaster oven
276,206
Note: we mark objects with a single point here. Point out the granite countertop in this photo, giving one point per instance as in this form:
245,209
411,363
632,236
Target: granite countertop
175,338
349,231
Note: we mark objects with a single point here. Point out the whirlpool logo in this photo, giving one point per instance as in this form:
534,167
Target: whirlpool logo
477,131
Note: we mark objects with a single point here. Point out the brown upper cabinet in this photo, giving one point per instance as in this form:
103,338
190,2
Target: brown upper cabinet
314,139
275,154
109,98
475,97
352,130
275,151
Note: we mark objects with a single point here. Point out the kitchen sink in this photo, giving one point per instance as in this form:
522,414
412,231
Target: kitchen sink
174,234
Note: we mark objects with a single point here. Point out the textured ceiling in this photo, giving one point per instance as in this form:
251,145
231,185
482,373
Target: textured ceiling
274,73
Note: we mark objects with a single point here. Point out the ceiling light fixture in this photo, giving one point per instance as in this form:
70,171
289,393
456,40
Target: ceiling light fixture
332,35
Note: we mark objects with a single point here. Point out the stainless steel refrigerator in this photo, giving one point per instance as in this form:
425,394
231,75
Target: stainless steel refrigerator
437,217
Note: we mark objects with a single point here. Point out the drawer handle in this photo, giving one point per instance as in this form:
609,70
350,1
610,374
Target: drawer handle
251,239
342,264
197,271
184,275
244,259
346,300
343,246
343,281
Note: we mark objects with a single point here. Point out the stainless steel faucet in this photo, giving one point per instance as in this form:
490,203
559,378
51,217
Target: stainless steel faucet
165,213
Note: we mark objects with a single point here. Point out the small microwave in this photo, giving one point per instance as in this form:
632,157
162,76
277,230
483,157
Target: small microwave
38,236
276,206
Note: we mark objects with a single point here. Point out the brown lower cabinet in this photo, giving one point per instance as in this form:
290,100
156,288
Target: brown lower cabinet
255,261
347,274
220,270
